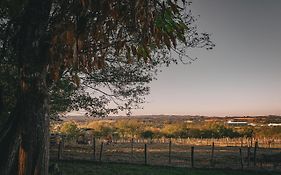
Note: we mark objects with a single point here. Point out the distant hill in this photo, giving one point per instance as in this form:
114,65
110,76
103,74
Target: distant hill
197,118
77,118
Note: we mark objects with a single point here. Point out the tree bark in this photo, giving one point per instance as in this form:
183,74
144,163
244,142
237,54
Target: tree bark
24,140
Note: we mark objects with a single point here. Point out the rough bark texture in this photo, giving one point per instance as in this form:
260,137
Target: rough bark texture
24,140
1,101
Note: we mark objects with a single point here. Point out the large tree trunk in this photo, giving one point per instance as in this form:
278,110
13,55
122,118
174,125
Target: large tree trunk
24,140
24,148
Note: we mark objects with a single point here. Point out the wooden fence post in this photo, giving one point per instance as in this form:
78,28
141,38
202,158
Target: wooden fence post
192,157
132,148
145,154
170,150
255,154
226,141
101,149
212,155
251,142
94,148
241,157
248,156
60,149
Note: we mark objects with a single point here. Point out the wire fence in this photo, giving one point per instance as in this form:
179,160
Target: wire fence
193,153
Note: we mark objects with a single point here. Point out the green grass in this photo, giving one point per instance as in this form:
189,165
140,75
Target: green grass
90,168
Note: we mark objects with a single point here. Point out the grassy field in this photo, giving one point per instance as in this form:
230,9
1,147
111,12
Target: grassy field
90,168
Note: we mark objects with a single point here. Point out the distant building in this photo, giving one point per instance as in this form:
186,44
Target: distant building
236,123
252,124
274,124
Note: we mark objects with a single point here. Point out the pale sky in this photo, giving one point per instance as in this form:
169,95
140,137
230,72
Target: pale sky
241,76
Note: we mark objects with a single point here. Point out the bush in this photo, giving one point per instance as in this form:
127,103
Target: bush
70,130
147,134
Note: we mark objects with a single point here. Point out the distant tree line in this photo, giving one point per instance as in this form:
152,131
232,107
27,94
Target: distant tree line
131,128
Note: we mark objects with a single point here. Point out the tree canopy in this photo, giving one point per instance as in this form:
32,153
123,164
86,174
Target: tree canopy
110,47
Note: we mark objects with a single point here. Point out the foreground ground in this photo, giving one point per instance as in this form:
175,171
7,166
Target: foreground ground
90,168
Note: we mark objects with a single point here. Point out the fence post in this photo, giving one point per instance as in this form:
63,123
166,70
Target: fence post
101,149
94,148
212,155
170,150
255,154
145,154
192,157
248,156
60,149
132,148
241,157
251,142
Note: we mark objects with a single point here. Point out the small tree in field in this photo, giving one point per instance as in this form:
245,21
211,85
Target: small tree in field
128,128
147,134
70,130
